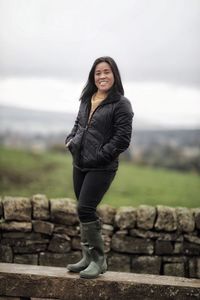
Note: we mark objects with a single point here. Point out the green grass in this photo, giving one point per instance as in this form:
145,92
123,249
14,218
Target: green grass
27,173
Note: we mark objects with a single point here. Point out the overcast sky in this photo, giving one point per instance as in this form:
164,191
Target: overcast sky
47,48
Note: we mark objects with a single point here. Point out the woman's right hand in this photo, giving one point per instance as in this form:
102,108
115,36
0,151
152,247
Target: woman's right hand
68,143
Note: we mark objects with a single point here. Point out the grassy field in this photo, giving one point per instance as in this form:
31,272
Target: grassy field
27,173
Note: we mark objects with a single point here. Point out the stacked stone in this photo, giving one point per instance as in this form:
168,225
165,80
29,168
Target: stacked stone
147,239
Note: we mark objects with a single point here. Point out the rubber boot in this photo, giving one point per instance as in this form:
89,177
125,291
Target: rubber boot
84,262
98,263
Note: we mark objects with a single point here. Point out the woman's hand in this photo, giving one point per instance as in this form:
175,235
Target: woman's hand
68,143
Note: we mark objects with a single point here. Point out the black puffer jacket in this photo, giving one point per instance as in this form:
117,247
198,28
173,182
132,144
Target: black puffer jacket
97,144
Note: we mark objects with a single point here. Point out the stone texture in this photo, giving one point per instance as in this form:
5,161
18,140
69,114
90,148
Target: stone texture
128,244
125,217
174,269
106,213
166,218
6,254
192,239
146,217
57,283
76,243
119,262
178,248
43,227
185,219
30,259
16,226
64,211
60,243
196,213
107,243
191,249
194,267
59,259
163,247
107,229
68,230
32,246
1,208
17,208
146,264
40,205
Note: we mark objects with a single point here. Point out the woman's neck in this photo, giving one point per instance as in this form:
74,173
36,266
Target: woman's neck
101,94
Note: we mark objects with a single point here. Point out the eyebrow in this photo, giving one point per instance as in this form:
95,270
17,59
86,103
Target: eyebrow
106,69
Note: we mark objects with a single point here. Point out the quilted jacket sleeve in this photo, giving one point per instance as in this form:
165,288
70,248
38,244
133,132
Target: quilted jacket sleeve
74,129
122,131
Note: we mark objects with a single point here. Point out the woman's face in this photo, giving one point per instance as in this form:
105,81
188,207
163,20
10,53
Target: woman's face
103,77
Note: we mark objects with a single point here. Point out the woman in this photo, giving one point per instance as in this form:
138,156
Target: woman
101,132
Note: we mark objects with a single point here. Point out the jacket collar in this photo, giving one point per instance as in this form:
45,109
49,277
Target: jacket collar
112,97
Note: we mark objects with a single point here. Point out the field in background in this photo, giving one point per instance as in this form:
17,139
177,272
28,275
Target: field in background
25,173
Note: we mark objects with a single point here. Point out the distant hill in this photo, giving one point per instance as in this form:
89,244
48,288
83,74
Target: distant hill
24,120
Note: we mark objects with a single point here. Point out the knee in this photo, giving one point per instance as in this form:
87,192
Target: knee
86,213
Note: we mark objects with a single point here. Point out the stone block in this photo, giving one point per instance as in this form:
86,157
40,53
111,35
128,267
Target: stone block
29,259
107,229
163,247
196,213
192,239
146,264
166,218
16,226
31,247
6,254
17,208
191,249
1,208
40,205
107,243
60,243
76,243
178,248
128,244
43,227
146,215
106,213
146,234
185,219
59,259
64,211
125,217
68,230
119,262
194,267
174,269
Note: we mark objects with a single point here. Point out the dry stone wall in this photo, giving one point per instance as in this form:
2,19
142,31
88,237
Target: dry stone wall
154,240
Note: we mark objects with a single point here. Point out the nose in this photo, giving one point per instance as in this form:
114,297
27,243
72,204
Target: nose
102,75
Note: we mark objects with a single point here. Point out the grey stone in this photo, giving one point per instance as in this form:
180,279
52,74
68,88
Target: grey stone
107,229
107,243
163,247
32,246
1,208
40,205
125,217
128,244
59,259
146,264
6,254
16,226
106,213
174,259
17,208
43,227
76,243
119,262
64,211
30,259
144,233
68,230
166,218
191,249
192,239
185,219
196,213
146,216
60,243
194,267
178,248
174,269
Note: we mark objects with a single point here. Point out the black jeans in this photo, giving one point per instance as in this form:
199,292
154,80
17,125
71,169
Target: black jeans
89,188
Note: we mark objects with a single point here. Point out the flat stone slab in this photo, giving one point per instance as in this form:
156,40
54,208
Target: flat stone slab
19,280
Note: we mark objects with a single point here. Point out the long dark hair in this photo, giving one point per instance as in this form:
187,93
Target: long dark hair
90,87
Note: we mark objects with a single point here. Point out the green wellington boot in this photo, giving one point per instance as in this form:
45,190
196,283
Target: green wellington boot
98,263
85,261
